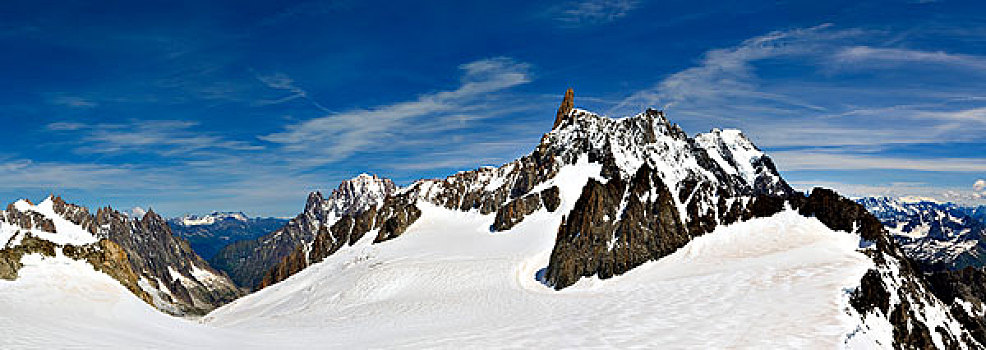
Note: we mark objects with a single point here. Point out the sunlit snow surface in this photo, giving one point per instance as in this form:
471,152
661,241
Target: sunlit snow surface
775,282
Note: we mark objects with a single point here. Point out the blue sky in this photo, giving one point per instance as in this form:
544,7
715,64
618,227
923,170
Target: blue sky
190,107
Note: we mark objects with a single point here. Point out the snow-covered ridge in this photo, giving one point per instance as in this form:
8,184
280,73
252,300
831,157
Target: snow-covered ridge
65,232
196,220
646,138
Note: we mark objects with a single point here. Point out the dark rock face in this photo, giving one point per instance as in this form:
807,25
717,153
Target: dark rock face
597,239
551,198
965,286
841,214
155,252
28,220
871,295
513,212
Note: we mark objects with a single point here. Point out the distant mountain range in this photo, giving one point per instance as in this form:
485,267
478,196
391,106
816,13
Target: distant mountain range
208,234
937,234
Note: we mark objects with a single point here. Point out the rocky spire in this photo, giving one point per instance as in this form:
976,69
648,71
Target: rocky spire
566,106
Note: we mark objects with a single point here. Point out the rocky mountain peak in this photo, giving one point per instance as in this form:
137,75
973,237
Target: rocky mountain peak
359,193
314,200
567,104
247,262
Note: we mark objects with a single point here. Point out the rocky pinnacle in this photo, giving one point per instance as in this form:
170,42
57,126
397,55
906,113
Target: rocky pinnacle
566,106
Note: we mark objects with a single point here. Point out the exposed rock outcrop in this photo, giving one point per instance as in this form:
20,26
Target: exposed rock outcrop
567,104
111,259
11,254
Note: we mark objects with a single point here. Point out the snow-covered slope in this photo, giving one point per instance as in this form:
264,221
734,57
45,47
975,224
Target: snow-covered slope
456,284
771,282
60,303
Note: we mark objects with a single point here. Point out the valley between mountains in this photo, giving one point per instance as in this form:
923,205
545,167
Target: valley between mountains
611,233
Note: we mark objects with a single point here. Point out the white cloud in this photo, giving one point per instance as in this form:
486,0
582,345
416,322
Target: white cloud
726,76
73,102
163,137
336,136
827,160
592,12
283,82
979,189
894,189
65,126
857,55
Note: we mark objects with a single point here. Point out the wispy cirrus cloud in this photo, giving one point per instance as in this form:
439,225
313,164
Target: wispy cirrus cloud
868,55
823,160
592,12
188,159
163,137
728,75
336,136
73,102
282,82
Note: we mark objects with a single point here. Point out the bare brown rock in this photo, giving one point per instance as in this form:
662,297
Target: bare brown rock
567,104
109,258
514,212
10,257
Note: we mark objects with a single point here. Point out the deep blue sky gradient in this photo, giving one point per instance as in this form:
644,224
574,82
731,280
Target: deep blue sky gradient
190,107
